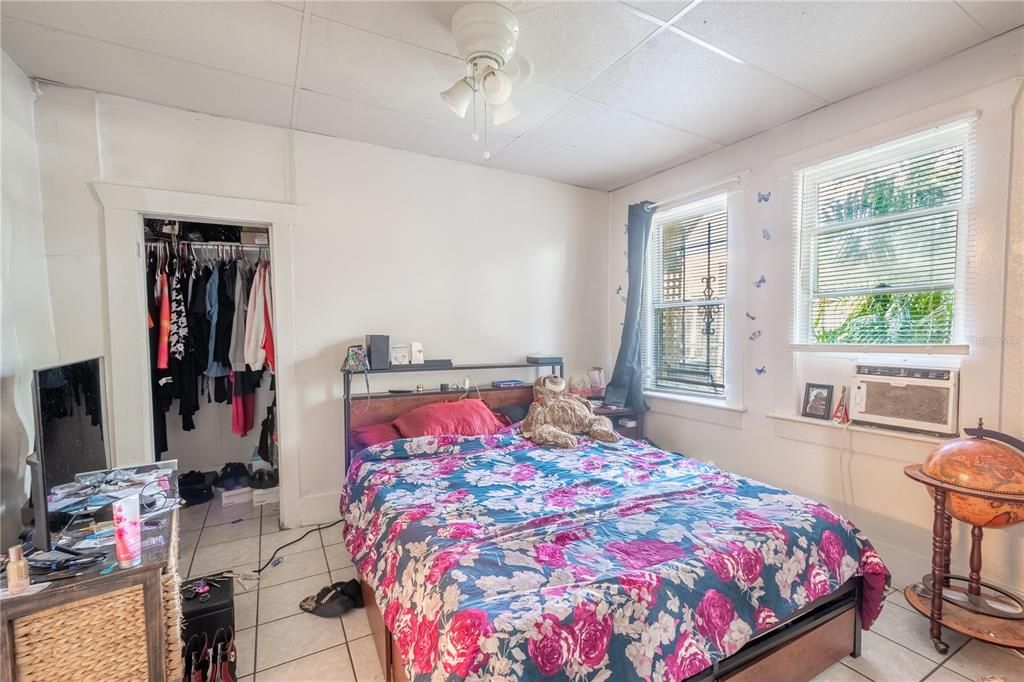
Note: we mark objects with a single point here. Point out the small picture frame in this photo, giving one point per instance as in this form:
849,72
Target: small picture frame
817,401
400,354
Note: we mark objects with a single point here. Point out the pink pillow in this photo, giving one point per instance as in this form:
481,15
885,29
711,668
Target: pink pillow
470,417
372,434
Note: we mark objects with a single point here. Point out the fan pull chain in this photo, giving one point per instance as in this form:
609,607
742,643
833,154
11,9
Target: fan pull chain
487,152
476,135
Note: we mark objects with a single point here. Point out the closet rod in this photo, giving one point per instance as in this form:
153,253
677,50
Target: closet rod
200,245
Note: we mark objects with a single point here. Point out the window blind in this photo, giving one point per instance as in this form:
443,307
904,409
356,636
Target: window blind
683,339
880,237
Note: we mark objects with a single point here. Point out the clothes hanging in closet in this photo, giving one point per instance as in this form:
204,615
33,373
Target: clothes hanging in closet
211,330
160,377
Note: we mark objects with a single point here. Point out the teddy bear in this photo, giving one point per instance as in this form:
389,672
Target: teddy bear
555,416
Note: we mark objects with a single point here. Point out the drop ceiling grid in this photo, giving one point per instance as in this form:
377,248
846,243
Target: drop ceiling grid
260,42
859,47
365,32
80,61
607,85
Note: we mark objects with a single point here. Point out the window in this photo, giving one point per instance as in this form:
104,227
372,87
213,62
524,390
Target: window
684,299
879,235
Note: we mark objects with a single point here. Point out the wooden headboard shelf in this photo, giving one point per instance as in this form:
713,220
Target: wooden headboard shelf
373,408
384,407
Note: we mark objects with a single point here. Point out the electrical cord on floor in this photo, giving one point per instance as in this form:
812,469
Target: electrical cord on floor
299,539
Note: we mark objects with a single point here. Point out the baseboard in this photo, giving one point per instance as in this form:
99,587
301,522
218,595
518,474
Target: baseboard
318,509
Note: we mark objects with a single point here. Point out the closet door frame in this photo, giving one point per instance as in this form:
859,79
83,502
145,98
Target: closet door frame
130,412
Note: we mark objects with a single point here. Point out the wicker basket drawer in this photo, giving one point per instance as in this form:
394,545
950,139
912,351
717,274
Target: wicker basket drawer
98,638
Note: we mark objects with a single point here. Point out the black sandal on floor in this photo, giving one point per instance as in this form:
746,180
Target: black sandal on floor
332,601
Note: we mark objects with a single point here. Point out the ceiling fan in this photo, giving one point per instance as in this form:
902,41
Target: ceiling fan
485,36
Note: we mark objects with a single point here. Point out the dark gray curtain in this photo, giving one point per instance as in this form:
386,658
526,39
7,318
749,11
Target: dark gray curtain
626,387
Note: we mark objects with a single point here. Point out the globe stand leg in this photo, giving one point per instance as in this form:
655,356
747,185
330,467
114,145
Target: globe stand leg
939,550
947,539
974,579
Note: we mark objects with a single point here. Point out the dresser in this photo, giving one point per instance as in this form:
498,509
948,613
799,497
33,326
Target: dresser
106,624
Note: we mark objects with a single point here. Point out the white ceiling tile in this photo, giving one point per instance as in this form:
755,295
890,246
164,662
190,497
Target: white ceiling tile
328,115
832,49
619,137
659,8
536,103
426,24
259,39
676,82
574,167
356,65
568,43
67,58
997,16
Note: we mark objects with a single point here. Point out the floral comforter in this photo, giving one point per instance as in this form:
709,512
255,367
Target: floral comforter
493,558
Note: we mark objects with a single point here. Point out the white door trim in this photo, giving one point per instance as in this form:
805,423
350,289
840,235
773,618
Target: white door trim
130,413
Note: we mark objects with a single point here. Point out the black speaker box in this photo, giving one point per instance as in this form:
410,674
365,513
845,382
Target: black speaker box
205,618
378,351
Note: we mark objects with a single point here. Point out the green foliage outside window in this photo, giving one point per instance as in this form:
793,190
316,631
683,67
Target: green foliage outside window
887,318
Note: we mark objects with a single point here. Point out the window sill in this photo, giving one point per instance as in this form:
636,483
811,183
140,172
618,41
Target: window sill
901,446
697,408
894,349
695,400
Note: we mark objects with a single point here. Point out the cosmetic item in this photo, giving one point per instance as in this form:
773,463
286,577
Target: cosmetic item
127,532
17,571
444,387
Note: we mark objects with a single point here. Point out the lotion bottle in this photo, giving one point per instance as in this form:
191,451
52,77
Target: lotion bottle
17,571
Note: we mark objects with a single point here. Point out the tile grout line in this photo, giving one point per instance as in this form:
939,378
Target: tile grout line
259,588
202,527
942,664
278,665
297,658
856,671
904,646
351,662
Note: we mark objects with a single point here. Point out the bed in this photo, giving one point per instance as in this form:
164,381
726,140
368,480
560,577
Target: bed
493,558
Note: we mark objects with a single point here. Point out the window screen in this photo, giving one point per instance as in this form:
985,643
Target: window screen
684,299
878,243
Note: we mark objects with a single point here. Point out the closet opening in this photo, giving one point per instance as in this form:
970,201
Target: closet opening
212,360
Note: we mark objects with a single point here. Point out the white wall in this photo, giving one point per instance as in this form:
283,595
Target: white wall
1013,335
816,460
476,264
27,325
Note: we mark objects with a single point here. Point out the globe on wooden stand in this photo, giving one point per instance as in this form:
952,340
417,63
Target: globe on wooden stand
978,480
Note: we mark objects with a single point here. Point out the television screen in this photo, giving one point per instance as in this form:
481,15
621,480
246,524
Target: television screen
70,435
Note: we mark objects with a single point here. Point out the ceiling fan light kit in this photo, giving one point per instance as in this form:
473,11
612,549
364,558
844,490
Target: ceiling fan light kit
485,35
459,97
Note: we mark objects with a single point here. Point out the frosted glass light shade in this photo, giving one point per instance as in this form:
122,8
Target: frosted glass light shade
458,98
504,113
495,87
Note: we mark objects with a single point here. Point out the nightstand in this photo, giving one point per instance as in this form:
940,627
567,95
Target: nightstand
621,416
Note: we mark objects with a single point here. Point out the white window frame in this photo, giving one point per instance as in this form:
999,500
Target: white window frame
709,199
878,155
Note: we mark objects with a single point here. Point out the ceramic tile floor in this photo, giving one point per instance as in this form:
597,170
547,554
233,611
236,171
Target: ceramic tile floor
898,649
274,638
277,641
